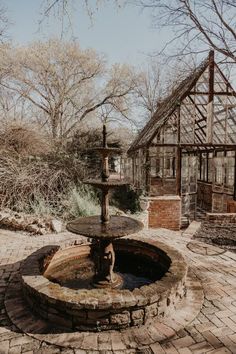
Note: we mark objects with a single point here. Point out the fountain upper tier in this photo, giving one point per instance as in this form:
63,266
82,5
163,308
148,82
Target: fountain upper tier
106,185
106,150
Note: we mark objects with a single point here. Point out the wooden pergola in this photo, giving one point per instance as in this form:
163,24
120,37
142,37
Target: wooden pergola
188,148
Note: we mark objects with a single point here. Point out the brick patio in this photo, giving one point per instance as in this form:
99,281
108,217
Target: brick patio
212,331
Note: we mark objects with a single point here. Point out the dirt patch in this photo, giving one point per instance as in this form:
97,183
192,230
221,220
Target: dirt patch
223,236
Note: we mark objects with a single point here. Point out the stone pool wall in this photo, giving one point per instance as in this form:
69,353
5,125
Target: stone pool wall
103,309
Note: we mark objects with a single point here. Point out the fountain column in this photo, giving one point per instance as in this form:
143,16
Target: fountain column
105,255
105,178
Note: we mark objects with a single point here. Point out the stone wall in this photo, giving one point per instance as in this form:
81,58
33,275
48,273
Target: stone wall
165,212
221,218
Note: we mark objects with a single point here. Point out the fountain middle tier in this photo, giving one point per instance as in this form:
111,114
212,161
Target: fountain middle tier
117,227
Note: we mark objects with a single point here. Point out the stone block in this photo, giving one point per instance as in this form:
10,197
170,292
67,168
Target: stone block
137,317
151,311
122,318
98,318
141,300
64,322
56,225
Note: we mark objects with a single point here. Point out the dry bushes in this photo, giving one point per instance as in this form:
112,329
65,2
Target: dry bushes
49,185
42,181
34,176
23,139
25,181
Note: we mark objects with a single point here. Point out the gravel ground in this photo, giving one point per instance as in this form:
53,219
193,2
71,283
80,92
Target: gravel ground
223,236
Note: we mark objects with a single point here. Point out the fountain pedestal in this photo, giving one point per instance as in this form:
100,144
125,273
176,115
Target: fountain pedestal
104,259
103,235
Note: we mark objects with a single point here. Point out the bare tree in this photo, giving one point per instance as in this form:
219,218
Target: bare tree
4,23
62,9
64,5
149,88
64,83
196,24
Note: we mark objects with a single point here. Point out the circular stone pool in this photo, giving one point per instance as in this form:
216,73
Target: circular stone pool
57,285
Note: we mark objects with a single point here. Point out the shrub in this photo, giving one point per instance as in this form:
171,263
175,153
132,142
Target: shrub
127,199
81,201
25,181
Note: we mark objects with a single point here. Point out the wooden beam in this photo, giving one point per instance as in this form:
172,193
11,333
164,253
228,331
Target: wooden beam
189,152
231,146
218,93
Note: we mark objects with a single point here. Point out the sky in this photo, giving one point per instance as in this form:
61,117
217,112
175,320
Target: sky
123,35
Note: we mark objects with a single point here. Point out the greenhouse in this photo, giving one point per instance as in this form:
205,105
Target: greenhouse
188,148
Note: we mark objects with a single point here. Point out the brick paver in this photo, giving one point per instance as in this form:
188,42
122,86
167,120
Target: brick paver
212,332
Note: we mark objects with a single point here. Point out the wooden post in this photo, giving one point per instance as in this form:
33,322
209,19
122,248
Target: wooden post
178,171
133,168
210,106
178,125
235,175
207,166
200,160
225,167
147,166
178,155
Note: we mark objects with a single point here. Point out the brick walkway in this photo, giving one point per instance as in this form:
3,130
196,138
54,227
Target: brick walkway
212,331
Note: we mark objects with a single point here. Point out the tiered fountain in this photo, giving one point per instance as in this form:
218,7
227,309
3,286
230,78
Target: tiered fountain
110,283
105,229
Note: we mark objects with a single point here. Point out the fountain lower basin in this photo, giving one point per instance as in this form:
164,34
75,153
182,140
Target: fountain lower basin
92,309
